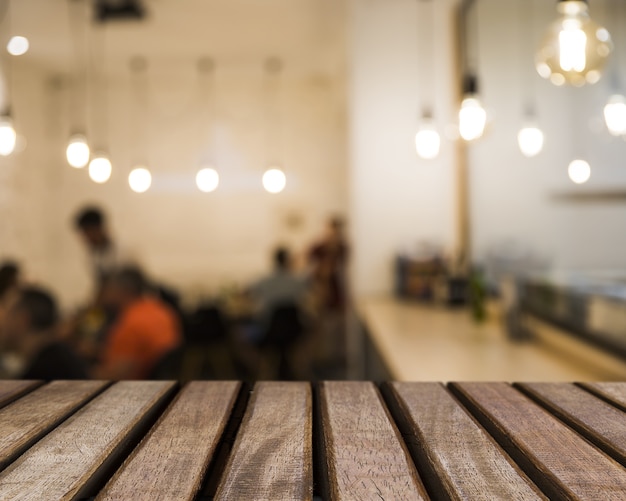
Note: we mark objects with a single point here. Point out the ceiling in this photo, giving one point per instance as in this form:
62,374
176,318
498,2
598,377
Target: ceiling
307,34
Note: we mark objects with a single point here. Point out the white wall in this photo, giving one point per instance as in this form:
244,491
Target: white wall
195,241
512,198
397,199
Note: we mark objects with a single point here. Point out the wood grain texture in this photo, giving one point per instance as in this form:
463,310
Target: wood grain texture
457,458
598,421
26,420
615,393
11,390
61,464
171,461
556,458
365,457
272,455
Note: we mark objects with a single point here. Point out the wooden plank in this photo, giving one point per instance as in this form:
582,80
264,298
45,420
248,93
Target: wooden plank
364,455
11,390
68,462
556,458
596,420
23,422
457,458
272,455
172,460
614,393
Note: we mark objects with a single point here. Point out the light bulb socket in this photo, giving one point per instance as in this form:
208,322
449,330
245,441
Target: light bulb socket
470,84
427,113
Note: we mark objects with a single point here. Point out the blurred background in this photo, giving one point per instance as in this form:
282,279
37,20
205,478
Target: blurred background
472,158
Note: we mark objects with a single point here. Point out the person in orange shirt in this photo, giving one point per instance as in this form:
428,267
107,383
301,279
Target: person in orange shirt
145,331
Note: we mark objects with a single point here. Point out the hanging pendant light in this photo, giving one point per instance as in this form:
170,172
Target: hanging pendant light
77,151
530,140
579,171
140,179
472,115
615,115
8,136
427,139
100,168
274,180
207,179
18,45
575,48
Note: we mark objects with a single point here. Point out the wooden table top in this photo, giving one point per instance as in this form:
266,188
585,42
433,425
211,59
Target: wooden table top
333,440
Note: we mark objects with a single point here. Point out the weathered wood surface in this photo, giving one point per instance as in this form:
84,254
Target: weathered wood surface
26,420
598,421
12,389
364,455
557,459
64,462
272,456
615,393
171,462
457,458
208,440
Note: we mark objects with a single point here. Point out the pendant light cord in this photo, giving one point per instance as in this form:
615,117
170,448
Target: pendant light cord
273,115
78,84
139,76
206,96
99,92
426,55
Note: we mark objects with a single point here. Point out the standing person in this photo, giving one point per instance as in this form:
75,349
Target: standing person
104,253
30,330
328,261
145,329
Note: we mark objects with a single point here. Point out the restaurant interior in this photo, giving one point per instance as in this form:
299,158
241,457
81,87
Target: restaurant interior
408,190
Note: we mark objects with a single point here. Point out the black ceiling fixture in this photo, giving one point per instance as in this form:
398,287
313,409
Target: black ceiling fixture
119,10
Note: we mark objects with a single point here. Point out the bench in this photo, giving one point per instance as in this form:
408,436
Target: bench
226,440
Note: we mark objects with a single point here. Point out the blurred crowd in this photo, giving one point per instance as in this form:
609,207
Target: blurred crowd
289,324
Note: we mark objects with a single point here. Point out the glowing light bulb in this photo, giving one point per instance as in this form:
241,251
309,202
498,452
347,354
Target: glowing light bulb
427,141
274,180
8,137
530,140
472,118
579,171
207,179
100,169
615,115
575,48
18,46
77,152
140,179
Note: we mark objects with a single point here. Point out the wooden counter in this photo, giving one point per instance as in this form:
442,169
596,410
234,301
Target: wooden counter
293,441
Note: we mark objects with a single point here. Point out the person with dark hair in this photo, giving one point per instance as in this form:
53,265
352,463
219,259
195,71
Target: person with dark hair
9,279
105,255
30,330
145,329
280,287
328,263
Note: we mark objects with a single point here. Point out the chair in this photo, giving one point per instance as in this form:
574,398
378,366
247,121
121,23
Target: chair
284,330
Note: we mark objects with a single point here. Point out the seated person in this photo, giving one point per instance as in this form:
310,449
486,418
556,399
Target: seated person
282,287
30,329
145,329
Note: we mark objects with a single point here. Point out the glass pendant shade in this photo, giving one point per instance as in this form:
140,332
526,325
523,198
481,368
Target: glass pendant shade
8,137
77,151
472,118
207,179
274,180
530,140
615,115
575,48
100,168
579,171
427,140
140,179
